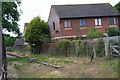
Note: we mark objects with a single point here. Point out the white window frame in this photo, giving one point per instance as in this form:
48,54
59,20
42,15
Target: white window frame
98,22
113,20
67,23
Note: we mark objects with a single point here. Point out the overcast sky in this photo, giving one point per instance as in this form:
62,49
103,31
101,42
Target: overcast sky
33,8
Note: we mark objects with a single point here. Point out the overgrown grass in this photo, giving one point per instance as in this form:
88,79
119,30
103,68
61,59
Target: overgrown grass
52,59
73,67
23,60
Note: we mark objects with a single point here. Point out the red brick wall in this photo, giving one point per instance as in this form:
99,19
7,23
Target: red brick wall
90,23
75,24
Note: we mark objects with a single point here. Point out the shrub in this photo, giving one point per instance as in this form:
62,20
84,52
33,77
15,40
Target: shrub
75,46
94,33
100,48
112,31
63,45
78,37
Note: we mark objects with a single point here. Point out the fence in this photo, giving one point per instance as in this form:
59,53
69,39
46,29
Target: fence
86,48
114,38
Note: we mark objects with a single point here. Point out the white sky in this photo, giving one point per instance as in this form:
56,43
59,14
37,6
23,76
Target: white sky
33,8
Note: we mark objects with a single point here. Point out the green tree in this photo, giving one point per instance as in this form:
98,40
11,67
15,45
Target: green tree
94,33
117,6
37,32
10,16
112,31
9,40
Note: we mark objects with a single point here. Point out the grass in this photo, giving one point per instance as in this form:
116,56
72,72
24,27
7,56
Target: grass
23,60
52,59
72,67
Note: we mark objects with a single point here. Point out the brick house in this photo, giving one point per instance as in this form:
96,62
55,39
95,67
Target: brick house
67,21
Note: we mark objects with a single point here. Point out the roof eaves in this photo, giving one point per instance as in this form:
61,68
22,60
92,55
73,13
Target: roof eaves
82,4
88,17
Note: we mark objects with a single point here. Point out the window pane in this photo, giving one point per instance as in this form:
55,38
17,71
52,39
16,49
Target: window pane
81,23
84,22
100,22
114,20
69,23
111,21
65,23
96,22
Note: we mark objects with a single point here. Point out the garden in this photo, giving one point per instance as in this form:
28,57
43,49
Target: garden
74,59
70,67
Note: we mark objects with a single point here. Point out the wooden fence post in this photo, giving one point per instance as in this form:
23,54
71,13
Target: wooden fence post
107,49
94,50
77,47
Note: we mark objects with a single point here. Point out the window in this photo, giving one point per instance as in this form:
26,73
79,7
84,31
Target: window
112,21
82,22
67,23
53,25
98,22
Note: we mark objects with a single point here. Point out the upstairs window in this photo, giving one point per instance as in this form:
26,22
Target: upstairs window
53,25
82,22
67,23
98,22
112,21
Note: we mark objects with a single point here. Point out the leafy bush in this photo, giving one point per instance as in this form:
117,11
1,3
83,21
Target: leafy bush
94,33
63,45
113,31
78,37
75,46
9,40
9,49
80,47
100,48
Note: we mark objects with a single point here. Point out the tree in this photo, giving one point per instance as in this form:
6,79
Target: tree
117,6
10,16
9,40
37,32
112,31
94,33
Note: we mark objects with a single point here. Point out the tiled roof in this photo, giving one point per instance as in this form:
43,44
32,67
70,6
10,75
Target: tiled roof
85,10
19,42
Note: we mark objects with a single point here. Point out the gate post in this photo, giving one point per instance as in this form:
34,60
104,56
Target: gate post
107,49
